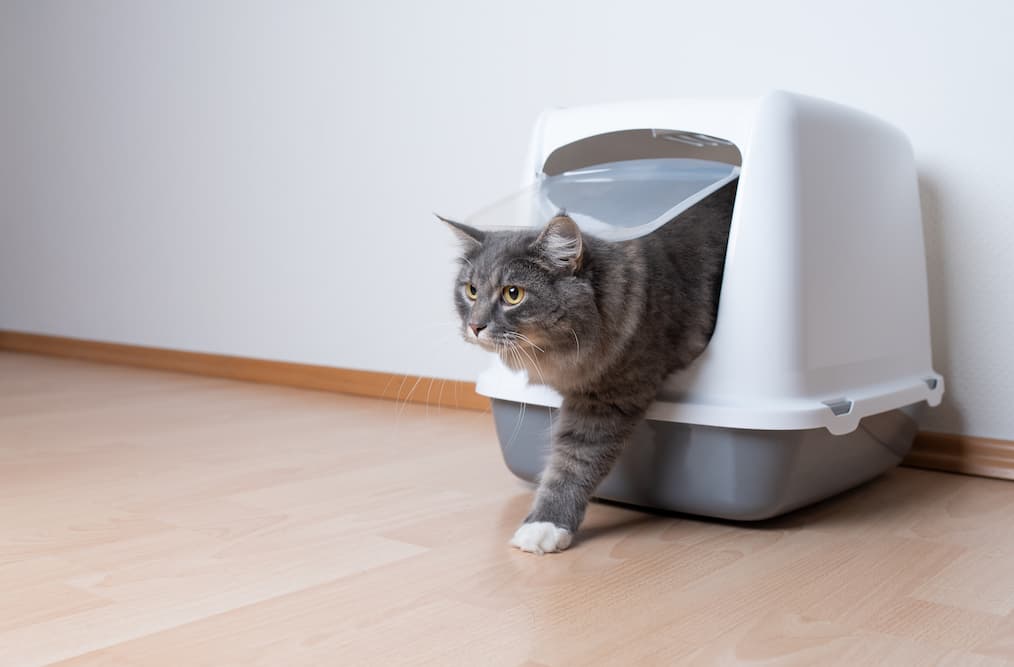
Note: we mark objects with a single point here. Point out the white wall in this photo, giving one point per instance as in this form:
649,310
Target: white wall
256,178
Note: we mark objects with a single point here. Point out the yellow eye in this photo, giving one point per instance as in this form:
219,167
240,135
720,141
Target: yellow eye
471,292
513,294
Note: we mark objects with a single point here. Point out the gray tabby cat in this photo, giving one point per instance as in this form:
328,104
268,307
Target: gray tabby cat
603,323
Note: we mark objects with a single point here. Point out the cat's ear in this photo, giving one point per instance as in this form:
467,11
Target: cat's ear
560,243
469,236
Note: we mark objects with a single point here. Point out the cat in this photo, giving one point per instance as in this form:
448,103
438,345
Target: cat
603,323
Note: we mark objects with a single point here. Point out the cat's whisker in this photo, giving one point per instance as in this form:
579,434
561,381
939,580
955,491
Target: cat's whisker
517,426
525,339
402,399
517,356
428,390
524,404
518,359
576,342
397,394
408,396
396,397
535,363
511,348
542,379
440,395
390,379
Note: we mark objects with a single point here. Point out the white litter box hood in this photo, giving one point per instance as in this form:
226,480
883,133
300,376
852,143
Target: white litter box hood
823,318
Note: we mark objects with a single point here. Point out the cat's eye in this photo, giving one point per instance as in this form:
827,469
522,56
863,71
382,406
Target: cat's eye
471,292
513,294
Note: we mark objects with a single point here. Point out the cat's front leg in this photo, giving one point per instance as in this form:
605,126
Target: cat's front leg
588,439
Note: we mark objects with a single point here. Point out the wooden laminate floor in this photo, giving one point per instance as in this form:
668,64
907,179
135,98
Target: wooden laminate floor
157,519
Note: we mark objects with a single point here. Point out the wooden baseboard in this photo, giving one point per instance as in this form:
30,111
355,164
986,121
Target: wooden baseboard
936,451
410,388
985,457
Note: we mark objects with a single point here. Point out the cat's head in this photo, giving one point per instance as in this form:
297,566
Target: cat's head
522,294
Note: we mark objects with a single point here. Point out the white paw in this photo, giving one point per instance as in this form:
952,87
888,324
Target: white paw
541,537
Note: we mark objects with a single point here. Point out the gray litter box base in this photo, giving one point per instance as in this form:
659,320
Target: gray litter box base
735,474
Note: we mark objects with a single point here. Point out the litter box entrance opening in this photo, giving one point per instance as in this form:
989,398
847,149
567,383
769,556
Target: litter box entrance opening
640,145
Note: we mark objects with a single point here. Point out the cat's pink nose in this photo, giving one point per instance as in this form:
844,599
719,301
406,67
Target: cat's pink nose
476,328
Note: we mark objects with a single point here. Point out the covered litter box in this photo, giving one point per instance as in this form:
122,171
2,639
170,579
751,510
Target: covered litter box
822,334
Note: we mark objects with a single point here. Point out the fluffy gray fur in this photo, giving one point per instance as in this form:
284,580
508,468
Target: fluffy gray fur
603,323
